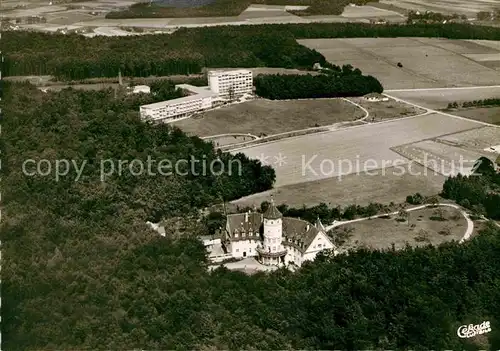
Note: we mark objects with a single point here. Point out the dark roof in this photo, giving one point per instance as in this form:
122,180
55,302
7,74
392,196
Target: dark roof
320,226
293,228
298,229
272,212
237,222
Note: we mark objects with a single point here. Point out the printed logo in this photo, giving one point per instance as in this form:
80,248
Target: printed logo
468,331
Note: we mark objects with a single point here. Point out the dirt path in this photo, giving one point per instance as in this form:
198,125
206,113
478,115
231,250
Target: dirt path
467,234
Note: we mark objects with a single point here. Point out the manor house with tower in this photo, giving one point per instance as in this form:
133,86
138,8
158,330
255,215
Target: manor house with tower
273,239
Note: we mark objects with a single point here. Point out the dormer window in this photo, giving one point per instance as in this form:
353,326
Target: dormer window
235,234
242,234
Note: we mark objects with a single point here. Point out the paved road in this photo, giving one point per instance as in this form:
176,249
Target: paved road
435,89
467,234
429,110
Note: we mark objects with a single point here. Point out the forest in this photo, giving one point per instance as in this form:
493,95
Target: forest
73,57
81,270
342,83
479,192
230,8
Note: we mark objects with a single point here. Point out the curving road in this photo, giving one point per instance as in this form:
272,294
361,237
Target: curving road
429,110
467,234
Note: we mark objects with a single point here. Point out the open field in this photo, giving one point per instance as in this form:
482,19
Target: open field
92,14
427,62
453,153
475,140
469,8
387,109
361,189
351,150
389,231
441,158
483,114
268,117
440,98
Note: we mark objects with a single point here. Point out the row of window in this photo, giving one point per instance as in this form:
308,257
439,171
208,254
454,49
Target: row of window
243,234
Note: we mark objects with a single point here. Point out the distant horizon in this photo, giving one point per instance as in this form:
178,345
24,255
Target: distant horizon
183,3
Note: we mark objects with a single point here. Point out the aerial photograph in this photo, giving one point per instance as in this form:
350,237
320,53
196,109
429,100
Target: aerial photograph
250,175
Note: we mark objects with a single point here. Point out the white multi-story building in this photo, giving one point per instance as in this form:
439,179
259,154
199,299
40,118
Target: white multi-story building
223,85
227,83
171,110
273,239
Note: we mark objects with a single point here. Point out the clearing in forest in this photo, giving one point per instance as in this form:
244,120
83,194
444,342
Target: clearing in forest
422,227
262,117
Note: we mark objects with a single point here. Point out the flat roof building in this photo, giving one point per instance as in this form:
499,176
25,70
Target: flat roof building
231,84
223,85
171,110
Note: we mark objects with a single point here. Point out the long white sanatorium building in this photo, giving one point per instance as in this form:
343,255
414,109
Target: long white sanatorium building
274,239
222,85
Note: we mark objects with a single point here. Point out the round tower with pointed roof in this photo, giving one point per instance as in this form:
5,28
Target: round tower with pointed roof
272,248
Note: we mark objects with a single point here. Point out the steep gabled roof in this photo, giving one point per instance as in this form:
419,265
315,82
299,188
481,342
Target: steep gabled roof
298,229
236,222
272,212
320,226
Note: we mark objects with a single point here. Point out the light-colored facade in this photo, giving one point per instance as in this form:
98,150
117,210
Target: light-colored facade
273,239
227,83
223,85
141,89
171,110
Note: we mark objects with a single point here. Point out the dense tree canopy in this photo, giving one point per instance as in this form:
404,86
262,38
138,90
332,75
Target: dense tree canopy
339,84
479,191
81,270
189,50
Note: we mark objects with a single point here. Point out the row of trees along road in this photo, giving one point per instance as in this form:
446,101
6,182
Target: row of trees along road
187,51
475,103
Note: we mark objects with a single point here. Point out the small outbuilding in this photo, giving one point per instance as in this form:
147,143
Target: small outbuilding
375,97
141,89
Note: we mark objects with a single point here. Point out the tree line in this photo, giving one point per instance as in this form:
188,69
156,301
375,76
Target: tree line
479,192
81,269
346,82
474,103
432,17
187,51
227,8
